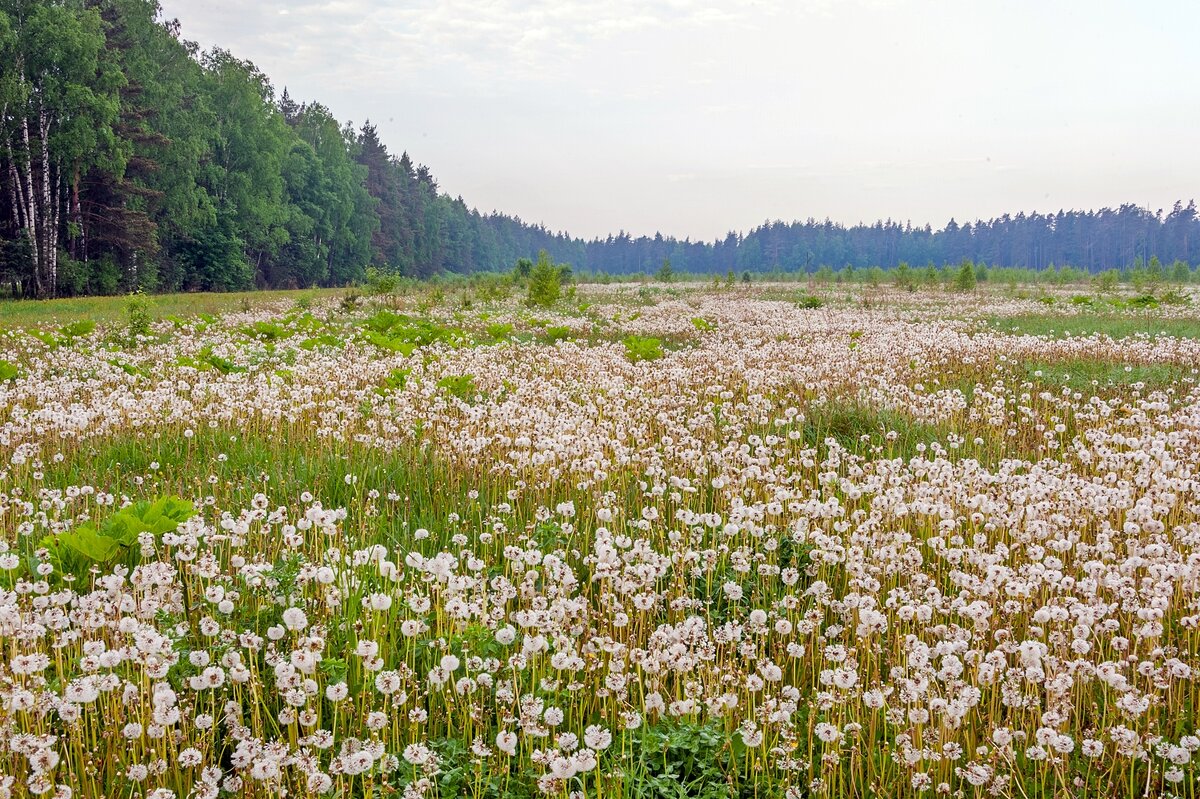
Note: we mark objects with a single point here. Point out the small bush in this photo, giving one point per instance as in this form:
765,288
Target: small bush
499,331
965,279
557,333
460,386
381,281
137,318
642,348
545,283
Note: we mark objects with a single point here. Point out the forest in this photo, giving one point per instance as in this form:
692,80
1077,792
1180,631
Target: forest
133,160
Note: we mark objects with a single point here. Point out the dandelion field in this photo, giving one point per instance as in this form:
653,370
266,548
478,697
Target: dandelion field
684,542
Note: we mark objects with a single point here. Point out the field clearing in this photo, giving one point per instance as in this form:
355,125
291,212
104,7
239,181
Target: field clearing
654,541
1087,323
51,313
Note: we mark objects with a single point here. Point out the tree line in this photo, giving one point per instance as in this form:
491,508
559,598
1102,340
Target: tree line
130,159
1093,241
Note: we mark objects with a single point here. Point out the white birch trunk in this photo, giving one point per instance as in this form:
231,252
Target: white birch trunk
49,204
31,214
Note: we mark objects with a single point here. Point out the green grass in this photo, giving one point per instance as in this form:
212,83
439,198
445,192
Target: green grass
864,430
1085,375
1114,325
246,463
52,313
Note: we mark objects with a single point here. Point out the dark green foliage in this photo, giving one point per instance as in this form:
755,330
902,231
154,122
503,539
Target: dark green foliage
1092,241
688,761
181,170
665,273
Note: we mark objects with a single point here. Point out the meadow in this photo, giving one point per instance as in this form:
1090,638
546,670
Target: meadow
658,542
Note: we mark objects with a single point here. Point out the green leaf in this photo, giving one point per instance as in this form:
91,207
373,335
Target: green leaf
46,338
460,386
76,551
161,516
642,348
90,544
405,348
79,328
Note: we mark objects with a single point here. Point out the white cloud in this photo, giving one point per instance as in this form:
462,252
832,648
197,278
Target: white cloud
606,114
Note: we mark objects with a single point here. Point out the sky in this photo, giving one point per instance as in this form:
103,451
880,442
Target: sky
697,117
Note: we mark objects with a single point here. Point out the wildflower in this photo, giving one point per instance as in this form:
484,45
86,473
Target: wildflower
295,619
506,742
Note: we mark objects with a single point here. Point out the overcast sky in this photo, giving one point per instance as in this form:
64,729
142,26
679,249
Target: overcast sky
696,117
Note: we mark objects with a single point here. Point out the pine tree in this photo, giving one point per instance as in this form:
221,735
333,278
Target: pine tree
965,279
665,273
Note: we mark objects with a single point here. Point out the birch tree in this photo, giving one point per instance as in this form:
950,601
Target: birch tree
59,101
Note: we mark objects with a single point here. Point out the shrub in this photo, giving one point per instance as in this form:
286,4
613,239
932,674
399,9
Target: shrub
381,281
137,316
965,279
545,283
555,334
118,539
665,273
643,348
499,331
460,386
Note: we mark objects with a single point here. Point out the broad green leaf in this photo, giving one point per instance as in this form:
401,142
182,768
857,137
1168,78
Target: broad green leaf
161,516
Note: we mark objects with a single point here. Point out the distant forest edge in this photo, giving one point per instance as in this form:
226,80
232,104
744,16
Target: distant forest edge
132,160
